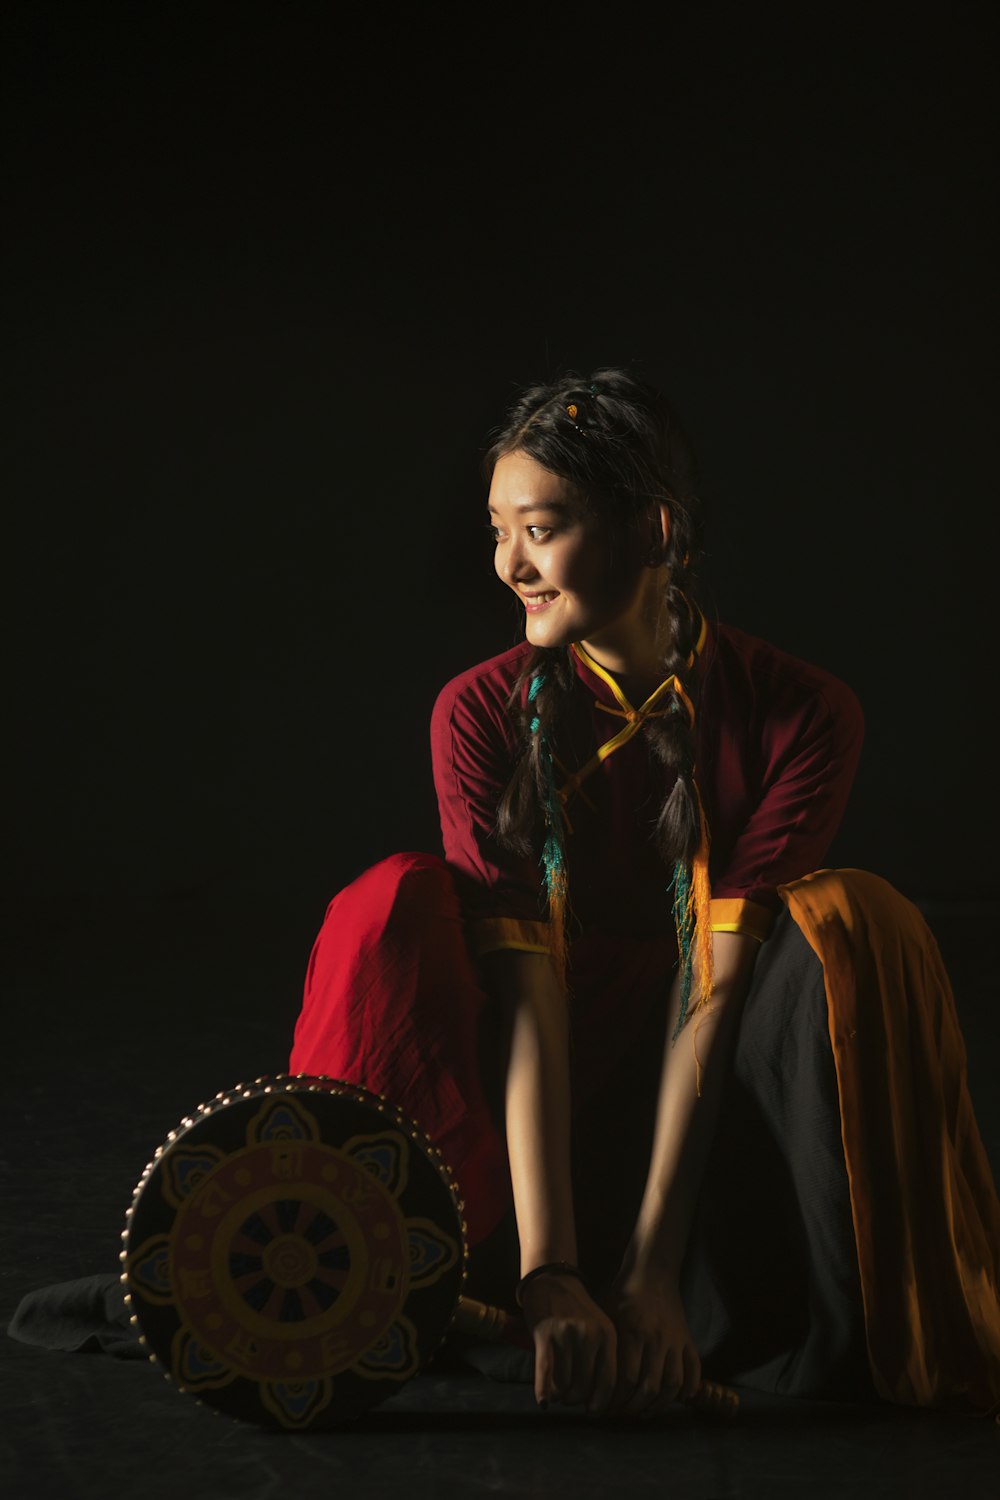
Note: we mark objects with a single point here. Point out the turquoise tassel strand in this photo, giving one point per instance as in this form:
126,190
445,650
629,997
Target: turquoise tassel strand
553,858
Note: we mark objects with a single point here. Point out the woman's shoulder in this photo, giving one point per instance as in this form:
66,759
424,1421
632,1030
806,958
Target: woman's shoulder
481,691
757,666
763,655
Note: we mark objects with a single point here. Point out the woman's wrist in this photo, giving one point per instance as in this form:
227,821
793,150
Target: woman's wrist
548,1268
652,1254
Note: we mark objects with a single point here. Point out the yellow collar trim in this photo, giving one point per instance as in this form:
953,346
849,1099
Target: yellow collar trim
634,717
620,698
657,693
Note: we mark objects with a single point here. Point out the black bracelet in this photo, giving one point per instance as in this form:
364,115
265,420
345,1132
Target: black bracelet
550,1268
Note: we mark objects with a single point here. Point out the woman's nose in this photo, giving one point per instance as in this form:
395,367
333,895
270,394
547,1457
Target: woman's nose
516,566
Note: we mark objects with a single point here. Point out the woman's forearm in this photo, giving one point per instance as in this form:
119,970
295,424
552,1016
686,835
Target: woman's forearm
537,1103
695,1069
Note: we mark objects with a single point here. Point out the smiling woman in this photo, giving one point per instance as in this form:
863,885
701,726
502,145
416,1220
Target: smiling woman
704,1098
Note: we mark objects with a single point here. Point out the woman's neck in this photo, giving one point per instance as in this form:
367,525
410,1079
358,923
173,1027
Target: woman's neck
636,645
635,686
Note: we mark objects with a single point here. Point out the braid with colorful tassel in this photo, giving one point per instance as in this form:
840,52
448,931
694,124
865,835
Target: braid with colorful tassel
682,828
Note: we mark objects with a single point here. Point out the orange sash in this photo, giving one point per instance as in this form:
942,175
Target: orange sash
926,1214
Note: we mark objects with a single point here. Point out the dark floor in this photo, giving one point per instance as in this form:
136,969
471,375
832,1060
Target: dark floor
117,1045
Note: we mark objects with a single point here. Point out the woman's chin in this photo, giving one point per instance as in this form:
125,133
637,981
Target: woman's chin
545,633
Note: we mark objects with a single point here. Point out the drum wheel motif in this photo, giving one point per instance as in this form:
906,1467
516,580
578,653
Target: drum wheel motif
285,1266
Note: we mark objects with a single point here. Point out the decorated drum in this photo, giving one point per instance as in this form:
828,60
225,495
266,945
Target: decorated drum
294,1252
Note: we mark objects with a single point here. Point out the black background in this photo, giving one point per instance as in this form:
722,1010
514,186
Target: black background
272,271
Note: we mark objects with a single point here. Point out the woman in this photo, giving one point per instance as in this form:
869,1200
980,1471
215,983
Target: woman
722,1088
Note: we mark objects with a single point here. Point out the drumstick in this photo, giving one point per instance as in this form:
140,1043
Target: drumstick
497,1326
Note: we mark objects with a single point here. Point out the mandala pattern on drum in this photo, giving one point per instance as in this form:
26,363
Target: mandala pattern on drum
288,1261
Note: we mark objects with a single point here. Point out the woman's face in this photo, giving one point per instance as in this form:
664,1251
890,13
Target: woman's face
577,579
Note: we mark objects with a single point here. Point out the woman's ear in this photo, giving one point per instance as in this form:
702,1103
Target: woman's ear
659,534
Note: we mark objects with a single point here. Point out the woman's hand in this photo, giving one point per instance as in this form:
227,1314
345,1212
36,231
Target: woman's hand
574,1343
657,1360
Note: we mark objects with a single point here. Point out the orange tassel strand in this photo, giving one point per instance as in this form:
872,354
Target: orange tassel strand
692,917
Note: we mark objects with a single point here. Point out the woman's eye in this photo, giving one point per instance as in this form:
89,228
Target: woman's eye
535,533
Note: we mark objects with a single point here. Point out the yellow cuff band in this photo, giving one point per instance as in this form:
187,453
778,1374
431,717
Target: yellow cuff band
735,915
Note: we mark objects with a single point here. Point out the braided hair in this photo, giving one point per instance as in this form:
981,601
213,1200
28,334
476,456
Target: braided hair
617,441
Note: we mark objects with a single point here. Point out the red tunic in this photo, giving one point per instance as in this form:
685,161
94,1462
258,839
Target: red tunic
778,742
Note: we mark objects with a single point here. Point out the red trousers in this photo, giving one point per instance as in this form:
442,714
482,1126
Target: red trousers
393,1001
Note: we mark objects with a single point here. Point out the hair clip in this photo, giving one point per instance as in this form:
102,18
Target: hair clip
572,411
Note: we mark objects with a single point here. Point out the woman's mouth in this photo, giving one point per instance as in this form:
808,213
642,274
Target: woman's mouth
535,602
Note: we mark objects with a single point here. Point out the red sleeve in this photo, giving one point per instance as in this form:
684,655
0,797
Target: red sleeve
473,751
807,734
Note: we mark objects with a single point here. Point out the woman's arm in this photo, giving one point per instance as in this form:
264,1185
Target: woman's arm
657,1360
574,1339
537,1103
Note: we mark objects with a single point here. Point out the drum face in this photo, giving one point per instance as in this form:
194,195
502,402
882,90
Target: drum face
294,1252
